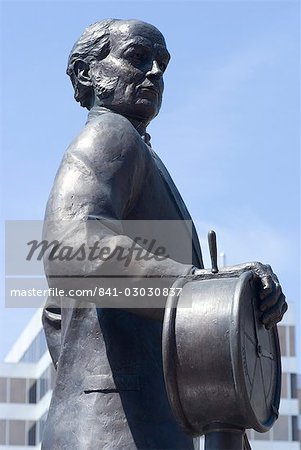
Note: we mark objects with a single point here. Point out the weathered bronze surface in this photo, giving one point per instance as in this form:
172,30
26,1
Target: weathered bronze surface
110,391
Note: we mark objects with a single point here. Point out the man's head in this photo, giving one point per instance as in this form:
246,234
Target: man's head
119,64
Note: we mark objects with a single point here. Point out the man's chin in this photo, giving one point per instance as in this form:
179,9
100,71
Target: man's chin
146,110
142,110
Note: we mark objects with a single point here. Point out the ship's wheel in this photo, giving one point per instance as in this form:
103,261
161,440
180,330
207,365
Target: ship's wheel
222,366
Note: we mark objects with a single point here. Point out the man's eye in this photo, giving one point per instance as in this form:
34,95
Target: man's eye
139,56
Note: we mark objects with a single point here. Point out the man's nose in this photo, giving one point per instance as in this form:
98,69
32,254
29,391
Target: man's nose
155,72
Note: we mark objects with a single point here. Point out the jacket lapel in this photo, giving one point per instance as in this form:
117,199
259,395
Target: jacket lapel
181,207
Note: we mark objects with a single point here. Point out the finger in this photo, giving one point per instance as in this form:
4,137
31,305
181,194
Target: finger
284,308
275,314
267,286
272,299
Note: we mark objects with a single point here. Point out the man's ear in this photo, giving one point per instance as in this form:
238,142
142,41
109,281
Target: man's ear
82,71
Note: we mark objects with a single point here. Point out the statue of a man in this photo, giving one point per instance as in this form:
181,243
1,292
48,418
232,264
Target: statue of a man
110,391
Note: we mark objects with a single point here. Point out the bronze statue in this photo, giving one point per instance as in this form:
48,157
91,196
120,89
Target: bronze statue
110,391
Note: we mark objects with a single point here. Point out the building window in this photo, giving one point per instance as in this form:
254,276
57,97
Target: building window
31,434
17,390
292,341
32,391
44,383
294,390
295,431
2,432
281,429
17,432
282,340
3,390
284,389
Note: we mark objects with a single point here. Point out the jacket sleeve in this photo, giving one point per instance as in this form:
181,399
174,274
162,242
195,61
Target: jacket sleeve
98,183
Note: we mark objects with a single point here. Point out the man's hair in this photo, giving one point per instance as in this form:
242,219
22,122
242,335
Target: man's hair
94,43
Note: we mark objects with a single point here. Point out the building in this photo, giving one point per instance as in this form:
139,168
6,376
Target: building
26,381
285,434
299,400
27,378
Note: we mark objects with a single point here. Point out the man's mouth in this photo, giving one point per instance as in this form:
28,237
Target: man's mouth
149,90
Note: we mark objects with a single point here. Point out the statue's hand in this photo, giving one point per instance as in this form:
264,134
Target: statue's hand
272,304
272,300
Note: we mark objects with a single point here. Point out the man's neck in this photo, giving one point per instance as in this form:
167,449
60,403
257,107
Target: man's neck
138,124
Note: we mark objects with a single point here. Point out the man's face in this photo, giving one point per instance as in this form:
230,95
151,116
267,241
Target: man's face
137,61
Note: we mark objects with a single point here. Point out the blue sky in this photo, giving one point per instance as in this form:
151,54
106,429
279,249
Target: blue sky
228,130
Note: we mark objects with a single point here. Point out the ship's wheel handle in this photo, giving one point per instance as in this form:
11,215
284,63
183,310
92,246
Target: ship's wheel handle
213,251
